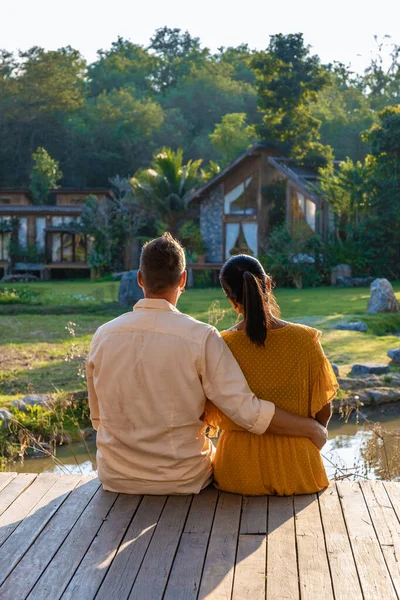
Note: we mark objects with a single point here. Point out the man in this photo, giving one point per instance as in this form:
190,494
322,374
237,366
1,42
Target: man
149,373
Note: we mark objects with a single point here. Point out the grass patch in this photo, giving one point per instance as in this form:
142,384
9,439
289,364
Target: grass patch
35,341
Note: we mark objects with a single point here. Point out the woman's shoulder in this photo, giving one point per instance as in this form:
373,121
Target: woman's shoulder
308,336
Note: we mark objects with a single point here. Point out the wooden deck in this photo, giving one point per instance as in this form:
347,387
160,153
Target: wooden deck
64,537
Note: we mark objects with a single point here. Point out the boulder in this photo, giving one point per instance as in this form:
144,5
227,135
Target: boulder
335,369
382,297
129,289
5,418
354,326
369,368
22,278
32,400
346,281
340,271
394,354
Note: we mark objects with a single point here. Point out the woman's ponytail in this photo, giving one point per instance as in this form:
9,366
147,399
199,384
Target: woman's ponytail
254,309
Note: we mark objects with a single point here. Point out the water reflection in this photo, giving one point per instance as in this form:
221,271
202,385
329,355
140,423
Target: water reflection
353,451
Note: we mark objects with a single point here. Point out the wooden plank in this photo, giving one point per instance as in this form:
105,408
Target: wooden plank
254,515
19,542
154,571
5,479
64,564
393,491
374,576
94,566
249,579
341,561
217,580
14,488
184,581
314,575
24,503
386,525
29,569
126,564
282,575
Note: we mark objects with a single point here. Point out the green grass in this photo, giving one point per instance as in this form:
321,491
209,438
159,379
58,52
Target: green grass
34,340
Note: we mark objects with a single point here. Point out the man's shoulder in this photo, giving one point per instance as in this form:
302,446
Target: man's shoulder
193,327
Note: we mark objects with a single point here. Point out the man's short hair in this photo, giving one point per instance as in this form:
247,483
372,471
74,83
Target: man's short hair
162,263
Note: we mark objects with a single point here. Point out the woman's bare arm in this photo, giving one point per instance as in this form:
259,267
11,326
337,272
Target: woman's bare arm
284,423
324,415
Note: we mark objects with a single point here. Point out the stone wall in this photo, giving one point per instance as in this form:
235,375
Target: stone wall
211,224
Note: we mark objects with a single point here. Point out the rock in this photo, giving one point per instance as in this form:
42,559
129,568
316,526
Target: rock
382,297
346,281
129,289
394,354
369,369
5,418
372,381
354,326
335,369
32,400
302,259
384,395
340,271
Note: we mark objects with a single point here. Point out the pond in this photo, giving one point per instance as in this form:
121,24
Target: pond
355,450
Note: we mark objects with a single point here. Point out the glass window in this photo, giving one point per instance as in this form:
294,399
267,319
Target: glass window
23,232
40,233
5,238
242,200
56,247
311,213
80,247
67,244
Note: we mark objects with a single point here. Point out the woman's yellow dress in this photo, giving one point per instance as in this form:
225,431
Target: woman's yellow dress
291,371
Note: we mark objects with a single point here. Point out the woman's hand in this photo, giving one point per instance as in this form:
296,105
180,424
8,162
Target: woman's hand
318,434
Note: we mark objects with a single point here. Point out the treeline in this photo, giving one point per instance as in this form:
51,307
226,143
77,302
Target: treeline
110,117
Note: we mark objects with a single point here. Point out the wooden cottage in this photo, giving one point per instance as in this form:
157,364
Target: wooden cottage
45,237
235,207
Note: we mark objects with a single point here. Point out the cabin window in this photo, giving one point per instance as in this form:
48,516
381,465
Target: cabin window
40,232
68,247
23,232
5,238
311,210
242,200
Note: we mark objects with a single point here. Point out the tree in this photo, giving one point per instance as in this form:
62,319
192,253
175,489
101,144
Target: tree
45,175
112,134
124,65
288,79
232,136
164,190
177,52
344,112
382,227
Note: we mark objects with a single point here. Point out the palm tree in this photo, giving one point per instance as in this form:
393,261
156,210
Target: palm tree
165,189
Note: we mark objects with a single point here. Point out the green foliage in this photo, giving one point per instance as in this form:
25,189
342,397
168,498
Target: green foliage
164,190
109,224
232,136
274,199
12,295
45,175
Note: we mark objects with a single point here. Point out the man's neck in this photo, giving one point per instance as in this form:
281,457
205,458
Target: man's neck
171,298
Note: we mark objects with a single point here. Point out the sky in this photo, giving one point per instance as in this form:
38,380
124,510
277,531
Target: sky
343,30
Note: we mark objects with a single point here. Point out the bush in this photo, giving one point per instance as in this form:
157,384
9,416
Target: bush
21,296
295,258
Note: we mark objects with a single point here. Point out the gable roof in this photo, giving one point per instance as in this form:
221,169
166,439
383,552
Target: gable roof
301,177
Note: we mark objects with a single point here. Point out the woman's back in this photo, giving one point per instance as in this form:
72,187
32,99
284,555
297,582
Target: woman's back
291,371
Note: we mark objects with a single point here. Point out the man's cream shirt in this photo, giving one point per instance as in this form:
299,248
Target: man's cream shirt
149,374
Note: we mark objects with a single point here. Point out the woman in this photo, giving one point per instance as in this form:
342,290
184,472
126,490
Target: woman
284,363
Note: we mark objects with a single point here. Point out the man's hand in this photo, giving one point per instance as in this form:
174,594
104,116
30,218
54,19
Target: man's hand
318,434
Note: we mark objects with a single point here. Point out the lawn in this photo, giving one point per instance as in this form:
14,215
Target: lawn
45,329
